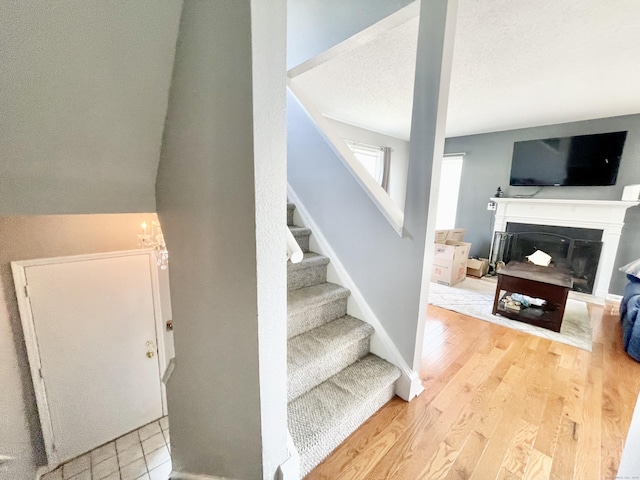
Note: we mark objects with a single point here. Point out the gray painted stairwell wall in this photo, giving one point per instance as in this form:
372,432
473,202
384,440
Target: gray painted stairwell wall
83,97
221,195
386,268
487,165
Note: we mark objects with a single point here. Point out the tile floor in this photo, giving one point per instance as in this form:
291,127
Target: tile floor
143,454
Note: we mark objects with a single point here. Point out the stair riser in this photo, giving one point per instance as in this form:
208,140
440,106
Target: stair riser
290,216
303,320
312,457
303,241
305,277
322,368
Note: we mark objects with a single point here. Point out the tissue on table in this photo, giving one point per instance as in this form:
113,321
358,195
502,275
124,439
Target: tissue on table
539,258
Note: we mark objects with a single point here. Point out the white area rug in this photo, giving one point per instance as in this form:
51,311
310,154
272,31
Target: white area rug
474,297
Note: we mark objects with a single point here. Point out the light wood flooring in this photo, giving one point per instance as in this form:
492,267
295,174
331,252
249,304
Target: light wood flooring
500,404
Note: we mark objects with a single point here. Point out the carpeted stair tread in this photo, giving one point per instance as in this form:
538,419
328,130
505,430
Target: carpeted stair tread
309,297
312,270
309,259
290,208
299,231
310,307
322,418
301,234
317,354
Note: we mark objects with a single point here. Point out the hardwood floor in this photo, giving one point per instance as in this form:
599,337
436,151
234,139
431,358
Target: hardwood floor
500,404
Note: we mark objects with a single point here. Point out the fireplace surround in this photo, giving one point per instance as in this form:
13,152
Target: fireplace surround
604,215
574,249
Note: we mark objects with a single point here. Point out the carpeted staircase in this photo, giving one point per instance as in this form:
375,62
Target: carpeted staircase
334,383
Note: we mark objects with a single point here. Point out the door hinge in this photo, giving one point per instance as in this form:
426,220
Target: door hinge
26,291
40,373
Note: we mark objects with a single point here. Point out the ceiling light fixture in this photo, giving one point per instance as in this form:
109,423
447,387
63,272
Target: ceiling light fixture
155,240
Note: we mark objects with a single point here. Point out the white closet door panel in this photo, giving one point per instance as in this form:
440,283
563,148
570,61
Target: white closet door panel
93,319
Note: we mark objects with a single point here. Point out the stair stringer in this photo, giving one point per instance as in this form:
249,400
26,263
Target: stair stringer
409,385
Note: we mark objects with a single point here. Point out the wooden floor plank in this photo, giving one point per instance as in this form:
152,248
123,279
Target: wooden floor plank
564,459
468,458
538,467
500,404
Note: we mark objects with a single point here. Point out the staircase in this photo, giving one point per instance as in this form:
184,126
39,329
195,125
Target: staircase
334,383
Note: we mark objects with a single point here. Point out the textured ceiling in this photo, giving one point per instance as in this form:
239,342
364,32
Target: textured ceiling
516,64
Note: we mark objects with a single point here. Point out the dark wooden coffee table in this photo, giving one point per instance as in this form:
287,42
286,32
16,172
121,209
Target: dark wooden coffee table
548,283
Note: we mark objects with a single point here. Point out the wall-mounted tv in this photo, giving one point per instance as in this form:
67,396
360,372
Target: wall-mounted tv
583,160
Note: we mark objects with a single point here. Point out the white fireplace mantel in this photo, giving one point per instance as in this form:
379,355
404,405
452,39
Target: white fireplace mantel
605,215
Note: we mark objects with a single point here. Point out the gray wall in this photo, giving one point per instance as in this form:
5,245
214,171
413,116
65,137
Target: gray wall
83,94
487,165
386,268
221,196
314,26
24,238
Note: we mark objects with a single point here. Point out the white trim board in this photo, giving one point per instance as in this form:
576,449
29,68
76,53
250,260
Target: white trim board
409,384
381,199
33,354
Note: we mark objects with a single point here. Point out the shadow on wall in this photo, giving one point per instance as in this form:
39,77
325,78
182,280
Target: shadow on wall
22,365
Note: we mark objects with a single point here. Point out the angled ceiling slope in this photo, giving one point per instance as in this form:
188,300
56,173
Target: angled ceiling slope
83,94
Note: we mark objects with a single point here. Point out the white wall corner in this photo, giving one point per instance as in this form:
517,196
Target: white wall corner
290,468
409,384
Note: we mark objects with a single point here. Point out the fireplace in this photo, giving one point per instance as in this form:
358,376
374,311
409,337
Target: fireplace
574,249
604,215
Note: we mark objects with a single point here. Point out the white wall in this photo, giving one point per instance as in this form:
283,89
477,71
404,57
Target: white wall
399,156
29,237
83,94
221,199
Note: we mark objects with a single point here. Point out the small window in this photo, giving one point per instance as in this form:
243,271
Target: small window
376,160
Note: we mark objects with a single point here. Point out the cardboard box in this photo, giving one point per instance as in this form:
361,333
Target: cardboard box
441,236
477,267
449,273
456,234
451,251
450,257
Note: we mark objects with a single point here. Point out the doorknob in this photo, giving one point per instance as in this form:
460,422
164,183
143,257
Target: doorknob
150,349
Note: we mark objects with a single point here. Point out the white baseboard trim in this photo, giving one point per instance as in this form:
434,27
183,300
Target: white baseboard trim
290,468
192,476
612,298
42,471
409,384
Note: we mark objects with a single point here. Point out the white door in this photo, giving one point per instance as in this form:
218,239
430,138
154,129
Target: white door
94,322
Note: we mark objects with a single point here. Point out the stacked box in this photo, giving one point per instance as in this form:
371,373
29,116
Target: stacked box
477,267
450,257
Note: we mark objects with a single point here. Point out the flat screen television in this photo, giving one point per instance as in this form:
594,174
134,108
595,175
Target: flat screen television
583,160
